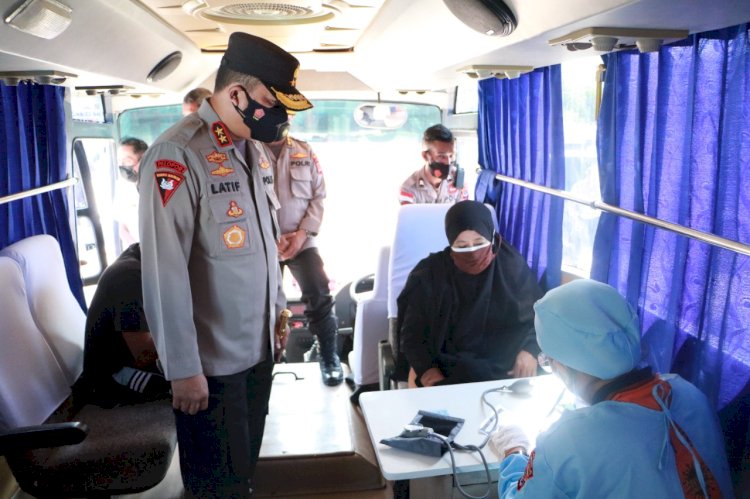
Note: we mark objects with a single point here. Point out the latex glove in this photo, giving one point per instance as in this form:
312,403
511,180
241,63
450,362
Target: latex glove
506,438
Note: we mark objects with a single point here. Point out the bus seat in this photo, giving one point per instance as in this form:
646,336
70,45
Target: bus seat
420,230
55,310
370,325
27,365
55,446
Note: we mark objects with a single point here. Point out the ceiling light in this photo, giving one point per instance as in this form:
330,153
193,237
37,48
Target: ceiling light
288,12
42,18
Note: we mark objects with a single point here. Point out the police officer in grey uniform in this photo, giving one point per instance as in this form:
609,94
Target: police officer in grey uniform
435,181
211,278
301,189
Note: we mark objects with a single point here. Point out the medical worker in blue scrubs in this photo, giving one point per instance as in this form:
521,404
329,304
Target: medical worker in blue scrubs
642,434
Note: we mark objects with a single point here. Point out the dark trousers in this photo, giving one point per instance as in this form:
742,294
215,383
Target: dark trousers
219,447
307,269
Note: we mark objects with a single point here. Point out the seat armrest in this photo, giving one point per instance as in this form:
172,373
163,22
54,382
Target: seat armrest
27,438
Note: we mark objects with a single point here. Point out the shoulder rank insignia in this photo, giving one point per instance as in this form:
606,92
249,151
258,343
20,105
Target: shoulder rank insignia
234,210
221,134
167,183
234,237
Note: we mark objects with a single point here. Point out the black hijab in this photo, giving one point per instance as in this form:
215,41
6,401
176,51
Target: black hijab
478,323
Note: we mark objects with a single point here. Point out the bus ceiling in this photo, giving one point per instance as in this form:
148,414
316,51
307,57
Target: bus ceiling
409,48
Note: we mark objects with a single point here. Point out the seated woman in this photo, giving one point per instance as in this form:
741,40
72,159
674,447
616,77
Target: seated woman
466,313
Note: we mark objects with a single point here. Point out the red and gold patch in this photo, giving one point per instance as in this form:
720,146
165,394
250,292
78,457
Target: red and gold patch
234,237
528,474
218,158
170,164
317,164
221,134
234,210
167,183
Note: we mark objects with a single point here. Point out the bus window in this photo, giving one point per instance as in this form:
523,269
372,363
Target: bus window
581,170
98,244
147,123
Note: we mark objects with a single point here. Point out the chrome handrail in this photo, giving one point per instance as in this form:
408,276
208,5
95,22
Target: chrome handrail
706,237
69,182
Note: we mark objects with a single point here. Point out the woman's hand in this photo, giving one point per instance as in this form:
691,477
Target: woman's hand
525,365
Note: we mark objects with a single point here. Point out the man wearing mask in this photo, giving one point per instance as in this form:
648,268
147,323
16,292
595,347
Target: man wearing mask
126,189
301,189
435,182
641,435
211,278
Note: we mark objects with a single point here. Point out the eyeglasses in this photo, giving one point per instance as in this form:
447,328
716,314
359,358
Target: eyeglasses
545,362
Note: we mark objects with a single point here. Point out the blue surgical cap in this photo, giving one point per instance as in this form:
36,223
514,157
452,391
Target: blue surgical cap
588,326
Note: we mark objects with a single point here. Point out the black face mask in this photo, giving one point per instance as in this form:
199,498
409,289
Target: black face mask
267,124
440,170
127,173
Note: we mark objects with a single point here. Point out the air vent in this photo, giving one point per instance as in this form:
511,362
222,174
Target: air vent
303,12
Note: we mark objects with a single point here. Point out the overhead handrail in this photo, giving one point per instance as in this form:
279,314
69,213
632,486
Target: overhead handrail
706,237
68,182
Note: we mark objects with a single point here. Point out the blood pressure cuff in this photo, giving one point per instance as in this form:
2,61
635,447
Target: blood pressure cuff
429,444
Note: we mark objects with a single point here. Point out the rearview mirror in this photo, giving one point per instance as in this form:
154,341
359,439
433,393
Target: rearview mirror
380,116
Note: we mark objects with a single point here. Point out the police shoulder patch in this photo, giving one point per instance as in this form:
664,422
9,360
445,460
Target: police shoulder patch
167,183
170,164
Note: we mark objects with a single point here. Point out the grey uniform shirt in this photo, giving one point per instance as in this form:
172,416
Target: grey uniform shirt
300,188
208,228
417,189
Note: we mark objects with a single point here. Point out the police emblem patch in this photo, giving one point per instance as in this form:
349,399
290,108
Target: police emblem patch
171,165
258,114
234,237
263,163
234,210
167,183
221,134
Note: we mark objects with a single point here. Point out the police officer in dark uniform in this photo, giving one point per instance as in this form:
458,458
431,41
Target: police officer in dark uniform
211,278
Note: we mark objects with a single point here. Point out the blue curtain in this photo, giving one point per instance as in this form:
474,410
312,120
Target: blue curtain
32,154
674,143
521,135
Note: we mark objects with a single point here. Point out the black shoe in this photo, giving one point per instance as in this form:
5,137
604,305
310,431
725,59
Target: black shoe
331,371
330,365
